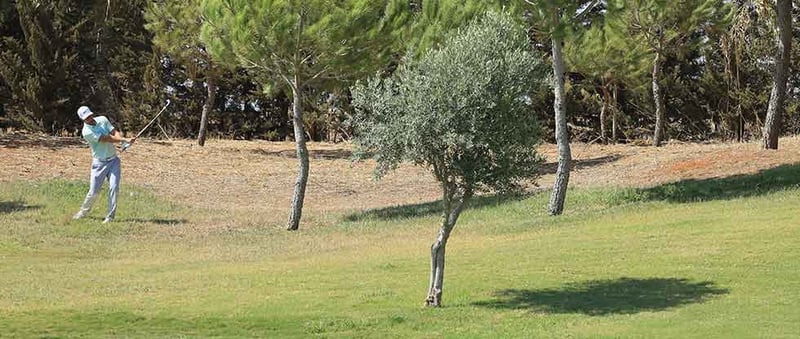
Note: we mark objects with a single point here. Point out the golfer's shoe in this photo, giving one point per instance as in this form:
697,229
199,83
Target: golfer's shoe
107,220
78,215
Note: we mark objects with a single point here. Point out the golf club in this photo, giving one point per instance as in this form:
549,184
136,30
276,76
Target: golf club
127,145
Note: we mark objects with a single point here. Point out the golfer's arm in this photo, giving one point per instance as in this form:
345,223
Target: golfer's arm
115,136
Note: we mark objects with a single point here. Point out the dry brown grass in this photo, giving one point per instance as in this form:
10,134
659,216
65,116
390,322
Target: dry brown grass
251,181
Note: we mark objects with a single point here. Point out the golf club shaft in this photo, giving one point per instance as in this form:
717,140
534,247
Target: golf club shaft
126,145
153,120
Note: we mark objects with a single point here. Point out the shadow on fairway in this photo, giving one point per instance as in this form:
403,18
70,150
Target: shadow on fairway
313,154
16,206
155,221
577,164
607,297
431,208
737,186
31,140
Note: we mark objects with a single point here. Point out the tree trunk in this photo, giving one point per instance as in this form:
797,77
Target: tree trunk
450,216
614,116
302,156
603,123
740,125
207,107
603,109
434,298
772,124
283,106
105,82
659,101
559,193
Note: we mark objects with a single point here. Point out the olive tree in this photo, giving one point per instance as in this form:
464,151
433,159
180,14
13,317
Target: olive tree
462,111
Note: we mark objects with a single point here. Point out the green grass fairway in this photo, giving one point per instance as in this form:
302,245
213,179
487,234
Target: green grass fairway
717,258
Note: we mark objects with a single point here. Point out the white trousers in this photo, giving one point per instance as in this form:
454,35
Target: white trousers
100,171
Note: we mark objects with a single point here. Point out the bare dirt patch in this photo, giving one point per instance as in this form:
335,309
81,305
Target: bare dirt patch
251,181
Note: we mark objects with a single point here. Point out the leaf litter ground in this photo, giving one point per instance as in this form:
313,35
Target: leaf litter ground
246,184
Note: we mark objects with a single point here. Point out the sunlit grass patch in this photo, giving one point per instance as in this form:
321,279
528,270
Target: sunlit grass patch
726,267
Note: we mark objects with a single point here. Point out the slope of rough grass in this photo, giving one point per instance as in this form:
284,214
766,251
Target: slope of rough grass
620,263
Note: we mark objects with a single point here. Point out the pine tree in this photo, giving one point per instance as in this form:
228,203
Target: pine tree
424,24
37,64
70,53
609,58
558,20
125,60
777,99
298,43
666,25
176,31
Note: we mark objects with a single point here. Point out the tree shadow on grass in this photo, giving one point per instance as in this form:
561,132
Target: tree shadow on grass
35,140
431,208
737,186
155,221
578,164
607,297
327,154
7,207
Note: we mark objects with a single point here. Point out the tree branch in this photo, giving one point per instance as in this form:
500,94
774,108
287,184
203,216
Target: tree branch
580,16
315,76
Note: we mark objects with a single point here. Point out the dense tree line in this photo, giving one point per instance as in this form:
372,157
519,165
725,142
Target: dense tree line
714,65
408,82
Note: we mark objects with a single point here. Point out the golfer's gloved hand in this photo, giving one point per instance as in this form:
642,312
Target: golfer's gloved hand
128,143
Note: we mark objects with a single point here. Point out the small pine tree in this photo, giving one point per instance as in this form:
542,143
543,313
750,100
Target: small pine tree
298,43
557,20
665,25
176,32
609,58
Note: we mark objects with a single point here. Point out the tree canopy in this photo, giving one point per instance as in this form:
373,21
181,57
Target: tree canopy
298,44
124,58
463,111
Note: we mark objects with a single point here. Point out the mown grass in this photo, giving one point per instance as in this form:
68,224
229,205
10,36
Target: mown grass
620,263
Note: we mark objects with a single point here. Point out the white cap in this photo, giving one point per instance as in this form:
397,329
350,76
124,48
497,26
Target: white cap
84,112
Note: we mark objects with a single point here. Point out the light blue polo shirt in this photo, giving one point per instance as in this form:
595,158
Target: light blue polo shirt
92,134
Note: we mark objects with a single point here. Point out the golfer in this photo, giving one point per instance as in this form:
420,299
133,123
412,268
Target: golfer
101,136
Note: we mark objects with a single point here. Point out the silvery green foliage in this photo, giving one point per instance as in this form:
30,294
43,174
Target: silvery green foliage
462,110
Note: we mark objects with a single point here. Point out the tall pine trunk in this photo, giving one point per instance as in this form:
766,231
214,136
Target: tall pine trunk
449,218
614,115
658,134
302,156
777,98
104,81
603,113
559,193
207,107
299,195
603,123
